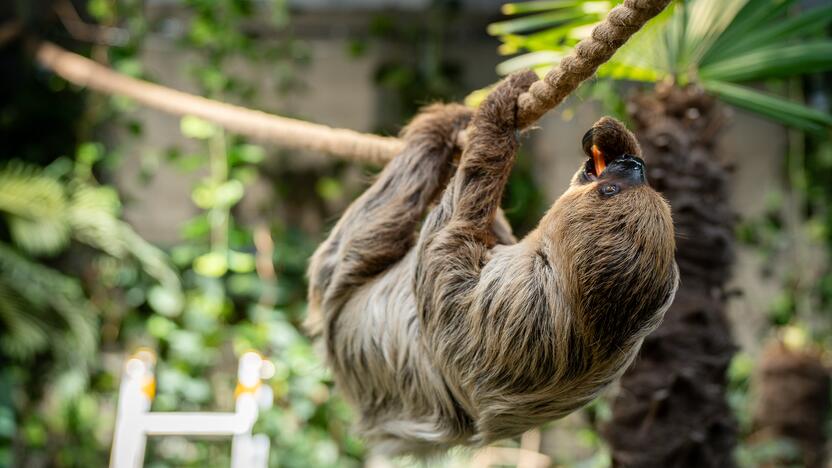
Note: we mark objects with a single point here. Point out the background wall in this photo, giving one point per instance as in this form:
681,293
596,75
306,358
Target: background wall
340,92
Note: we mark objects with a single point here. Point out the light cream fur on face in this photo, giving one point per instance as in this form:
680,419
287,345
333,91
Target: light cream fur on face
444,331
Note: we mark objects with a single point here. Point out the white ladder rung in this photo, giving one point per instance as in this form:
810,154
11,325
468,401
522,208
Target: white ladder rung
195,424
134,421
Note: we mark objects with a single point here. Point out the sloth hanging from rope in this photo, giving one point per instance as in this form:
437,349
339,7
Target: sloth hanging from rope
457,334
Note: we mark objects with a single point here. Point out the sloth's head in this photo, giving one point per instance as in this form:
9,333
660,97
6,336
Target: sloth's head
613,234
614,160
609,194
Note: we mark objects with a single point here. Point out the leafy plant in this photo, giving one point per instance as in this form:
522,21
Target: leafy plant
44,211
722,45
243,278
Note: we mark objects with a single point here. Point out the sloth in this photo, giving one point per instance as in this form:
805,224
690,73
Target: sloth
442,329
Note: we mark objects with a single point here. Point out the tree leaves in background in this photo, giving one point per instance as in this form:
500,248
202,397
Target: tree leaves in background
41,307
35,208
44,213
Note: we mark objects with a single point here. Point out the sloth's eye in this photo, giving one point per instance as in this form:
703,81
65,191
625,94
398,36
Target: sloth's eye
609,190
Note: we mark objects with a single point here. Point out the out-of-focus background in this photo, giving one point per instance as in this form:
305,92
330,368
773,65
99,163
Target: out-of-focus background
123,228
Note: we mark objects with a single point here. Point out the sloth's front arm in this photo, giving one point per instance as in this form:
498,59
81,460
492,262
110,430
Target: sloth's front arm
486,314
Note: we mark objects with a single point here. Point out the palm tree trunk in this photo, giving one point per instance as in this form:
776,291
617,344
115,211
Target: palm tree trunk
671,410
792,387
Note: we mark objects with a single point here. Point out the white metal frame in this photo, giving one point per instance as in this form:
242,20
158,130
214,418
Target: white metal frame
134,421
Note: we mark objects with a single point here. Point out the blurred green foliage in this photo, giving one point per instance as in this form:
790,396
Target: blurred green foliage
79,289
793,238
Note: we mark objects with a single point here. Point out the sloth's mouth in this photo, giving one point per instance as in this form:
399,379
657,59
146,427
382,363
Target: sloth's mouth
595,165
598,161
625,165
625,168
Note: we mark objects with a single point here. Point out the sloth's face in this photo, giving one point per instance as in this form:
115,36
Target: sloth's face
613,181
616,200
620,173
612,164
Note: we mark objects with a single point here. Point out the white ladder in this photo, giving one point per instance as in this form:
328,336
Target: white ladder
134,421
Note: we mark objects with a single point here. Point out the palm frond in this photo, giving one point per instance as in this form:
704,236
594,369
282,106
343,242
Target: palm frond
93,215
509,9
777,29
45,298
718,43
41,307
44,213
37,209
534,60
24,333
552,24
706,21
627,71
772,107
779,61
536,22
659,61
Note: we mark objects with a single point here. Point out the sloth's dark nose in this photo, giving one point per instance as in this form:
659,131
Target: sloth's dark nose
627,168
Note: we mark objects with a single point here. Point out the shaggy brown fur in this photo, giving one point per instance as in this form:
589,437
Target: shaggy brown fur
460,335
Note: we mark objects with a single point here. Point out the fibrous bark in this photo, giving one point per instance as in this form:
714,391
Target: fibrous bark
671,410
792,404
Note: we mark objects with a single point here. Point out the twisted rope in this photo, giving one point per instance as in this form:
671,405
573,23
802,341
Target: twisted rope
283,131
622,22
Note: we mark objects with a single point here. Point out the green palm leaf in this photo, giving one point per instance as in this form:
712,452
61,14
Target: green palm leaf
93,217
533,22
804,24
37,209
48,300
706,21
534,7
625,71
24,333
718,43
772,62
42,309
43,214
534,60
751,19
769,106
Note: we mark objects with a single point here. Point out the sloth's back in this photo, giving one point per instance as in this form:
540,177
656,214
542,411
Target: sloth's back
403,402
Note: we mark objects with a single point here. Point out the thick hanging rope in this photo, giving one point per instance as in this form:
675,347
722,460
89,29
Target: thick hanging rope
622,22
